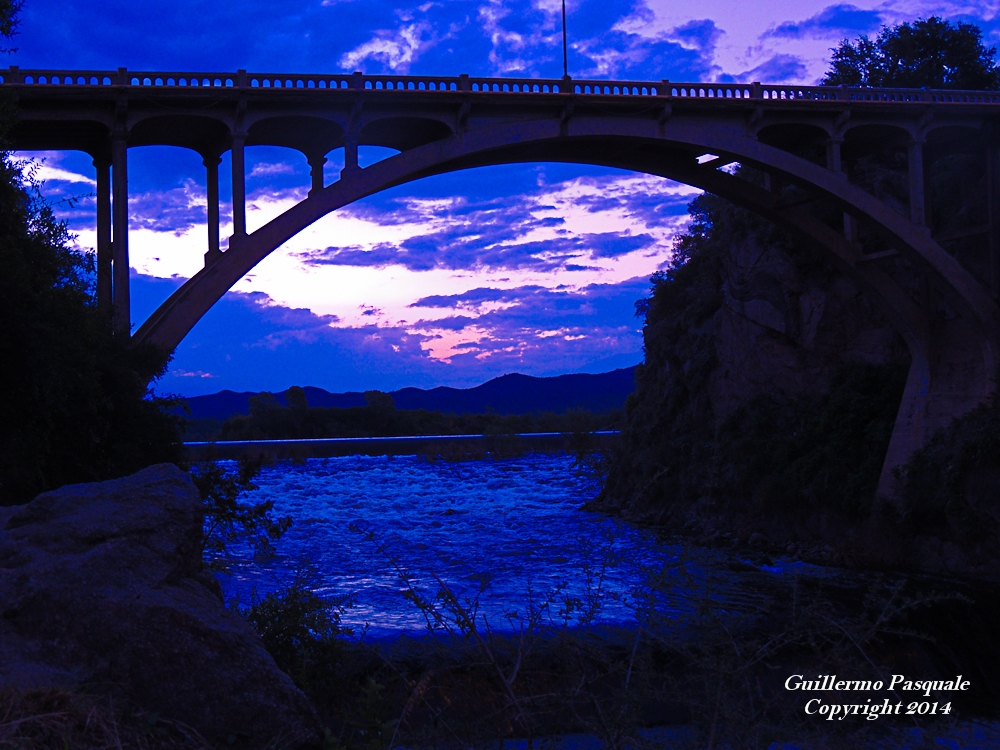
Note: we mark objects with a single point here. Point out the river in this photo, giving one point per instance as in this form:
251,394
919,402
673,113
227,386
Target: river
506,536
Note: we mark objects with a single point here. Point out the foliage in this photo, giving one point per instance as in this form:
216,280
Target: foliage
302,632
952,484
9,21
227,520
928,52
826,450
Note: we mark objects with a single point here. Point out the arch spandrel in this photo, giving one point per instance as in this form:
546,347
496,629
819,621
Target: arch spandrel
403,133
305,133
89,136
204,134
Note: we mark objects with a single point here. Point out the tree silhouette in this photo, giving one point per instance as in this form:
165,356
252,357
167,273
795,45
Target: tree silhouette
929,52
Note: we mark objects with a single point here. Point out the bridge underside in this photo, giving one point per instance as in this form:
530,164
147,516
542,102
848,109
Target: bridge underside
801,151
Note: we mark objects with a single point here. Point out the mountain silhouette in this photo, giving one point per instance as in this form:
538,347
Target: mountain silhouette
508,394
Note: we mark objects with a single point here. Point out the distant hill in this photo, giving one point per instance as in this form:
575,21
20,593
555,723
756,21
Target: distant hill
508,394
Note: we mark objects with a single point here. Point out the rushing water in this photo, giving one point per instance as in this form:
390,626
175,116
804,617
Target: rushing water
370,528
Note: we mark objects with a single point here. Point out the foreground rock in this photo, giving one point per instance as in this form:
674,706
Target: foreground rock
102,588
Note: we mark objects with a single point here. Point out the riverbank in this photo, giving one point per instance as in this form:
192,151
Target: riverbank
707,677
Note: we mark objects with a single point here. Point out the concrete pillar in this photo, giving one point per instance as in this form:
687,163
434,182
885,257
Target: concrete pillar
835,164
212,169
316,163
915,150
104,283
350,154
833,155
993,214
119,221
239,187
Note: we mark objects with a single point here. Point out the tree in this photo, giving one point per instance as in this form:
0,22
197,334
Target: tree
929,52
75,403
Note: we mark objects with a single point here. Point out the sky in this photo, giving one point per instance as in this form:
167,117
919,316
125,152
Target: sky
455,279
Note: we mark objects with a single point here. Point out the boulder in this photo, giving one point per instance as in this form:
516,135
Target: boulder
102,588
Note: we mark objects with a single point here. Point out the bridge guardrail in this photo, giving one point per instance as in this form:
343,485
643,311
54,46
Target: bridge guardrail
241,80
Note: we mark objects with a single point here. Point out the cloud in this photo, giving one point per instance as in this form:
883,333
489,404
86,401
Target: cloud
840,19
571,225
396,49
248,342
780,67
45,173
267,169
176,210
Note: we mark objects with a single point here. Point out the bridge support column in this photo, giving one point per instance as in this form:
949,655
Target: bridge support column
212,169
835,165
918,214
350,155
119,252
104,283
993,214
316,163
239,187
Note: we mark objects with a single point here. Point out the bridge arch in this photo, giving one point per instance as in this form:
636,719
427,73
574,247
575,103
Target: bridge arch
673,153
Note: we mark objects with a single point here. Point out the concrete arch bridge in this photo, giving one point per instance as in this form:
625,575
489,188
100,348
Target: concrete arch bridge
808,142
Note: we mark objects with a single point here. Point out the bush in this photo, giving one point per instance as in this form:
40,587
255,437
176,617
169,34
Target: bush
227,520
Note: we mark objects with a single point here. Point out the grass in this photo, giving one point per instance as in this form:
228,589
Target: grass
62,720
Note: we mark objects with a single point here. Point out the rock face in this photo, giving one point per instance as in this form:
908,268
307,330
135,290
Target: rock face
102,586
749,345
779,330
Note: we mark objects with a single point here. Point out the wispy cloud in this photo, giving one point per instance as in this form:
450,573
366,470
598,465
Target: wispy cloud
834,19
394,49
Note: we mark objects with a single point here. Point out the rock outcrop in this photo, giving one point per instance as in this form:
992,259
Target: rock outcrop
102,588
737,407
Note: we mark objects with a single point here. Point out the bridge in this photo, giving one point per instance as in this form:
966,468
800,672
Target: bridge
937,282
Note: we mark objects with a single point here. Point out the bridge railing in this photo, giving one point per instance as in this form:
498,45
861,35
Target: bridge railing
14,76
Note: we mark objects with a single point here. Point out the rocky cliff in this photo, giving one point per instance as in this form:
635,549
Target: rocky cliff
764,409
769,389
102,589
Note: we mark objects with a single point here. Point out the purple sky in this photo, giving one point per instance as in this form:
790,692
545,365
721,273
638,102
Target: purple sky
455,279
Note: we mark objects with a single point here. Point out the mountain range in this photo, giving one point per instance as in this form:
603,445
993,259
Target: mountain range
508,394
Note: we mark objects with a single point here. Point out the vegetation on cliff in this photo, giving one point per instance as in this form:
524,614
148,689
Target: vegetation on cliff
776,449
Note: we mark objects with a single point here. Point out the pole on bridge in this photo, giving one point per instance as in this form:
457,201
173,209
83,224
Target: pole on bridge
119,249
104,284
565,57
212,188
239,186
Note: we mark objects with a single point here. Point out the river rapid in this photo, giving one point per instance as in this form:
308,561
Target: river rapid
508,537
